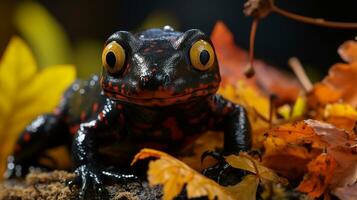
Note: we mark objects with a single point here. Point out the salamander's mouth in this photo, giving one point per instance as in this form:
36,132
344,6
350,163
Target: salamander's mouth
159,101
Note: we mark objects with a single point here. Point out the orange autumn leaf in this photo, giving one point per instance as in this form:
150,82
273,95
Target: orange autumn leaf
291,147
340,83
233,61
174,175
348,51
288,149
320,174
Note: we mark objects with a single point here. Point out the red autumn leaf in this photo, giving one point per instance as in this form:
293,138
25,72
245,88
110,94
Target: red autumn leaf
233,61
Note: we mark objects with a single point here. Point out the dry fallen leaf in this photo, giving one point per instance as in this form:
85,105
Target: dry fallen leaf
290,147
191,154
321,171
26,92
233,61
346,193
245,162
348,51
338,86
174,175
341,115
246,189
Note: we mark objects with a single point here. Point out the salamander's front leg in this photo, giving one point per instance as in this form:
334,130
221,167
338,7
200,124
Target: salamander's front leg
233,120
45,132
90,173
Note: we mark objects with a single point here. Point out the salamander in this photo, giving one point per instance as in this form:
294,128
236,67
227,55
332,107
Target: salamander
157,89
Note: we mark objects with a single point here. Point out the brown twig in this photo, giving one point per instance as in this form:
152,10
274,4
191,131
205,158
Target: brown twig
314,21
249,72
300,73
272,99
261,8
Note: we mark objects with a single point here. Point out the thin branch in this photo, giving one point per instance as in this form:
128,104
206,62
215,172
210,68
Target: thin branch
314,21
250,70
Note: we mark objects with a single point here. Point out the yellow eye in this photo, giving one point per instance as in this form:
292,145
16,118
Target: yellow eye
202,55
113,57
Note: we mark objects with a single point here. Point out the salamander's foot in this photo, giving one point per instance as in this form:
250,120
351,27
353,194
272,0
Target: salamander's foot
221,172
91,180
14,170
17,170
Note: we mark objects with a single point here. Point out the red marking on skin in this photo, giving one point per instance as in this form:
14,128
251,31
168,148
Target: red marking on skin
27,137
194,120
119,106
121,118
101,116
17,148
116,88
143,125
226,110
95,107
83,115
73,129
171,124
211,121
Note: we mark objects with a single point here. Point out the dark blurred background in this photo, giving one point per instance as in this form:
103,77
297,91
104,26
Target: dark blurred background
88,23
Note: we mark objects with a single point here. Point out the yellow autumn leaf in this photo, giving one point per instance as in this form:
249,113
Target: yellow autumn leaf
246,189
246,95
245,162
340,109
292,112
174,175
341,115
45,35
26,92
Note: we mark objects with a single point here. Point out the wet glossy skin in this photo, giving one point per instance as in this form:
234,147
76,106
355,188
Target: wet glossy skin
158,100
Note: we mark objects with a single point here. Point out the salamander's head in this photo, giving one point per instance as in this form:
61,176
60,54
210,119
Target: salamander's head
159,67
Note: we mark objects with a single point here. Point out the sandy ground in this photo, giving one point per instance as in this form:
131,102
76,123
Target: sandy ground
52,185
